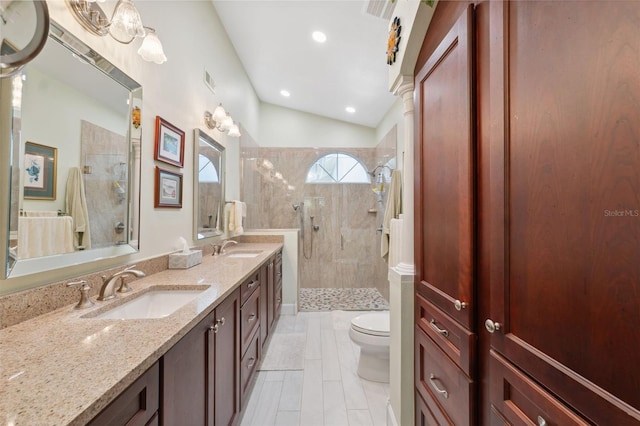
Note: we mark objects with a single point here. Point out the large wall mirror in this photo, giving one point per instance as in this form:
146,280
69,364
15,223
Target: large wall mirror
74,165
208,186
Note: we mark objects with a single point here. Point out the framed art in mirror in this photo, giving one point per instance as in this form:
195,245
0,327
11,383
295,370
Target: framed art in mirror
40,171
169,143
168,189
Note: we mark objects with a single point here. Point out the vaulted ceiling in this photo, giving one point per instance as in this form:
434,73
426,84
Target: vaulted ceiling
274,41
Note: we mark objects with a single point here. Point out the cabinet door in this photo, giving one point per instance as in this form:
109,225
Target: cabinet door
187,384
564,221
227,360
264,303
444,207
271,295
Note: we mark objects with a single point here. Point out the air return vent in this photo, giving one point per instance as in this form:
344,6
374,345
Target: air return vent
208,81
380,8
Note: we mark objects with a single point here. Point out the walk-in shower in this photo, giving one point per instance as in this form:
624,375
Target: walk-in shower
327,195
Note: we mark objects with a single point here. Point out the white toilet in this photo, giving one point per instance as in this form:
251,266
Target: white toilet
371,332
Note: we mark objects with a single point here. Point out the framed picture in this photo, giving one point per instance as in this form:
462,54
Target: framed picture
40,171
168,189
169,143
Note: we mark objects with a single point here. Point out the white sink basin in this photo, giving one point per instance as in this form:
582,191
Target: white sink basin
244,253
158,302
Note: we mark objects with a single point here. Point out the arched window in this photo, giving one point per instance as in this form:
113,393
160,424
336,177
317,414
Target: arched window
338,167
206,170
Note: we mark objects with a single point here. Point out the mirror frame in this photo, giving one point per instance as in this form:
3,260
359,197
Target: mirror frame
198,136
17,268
16,60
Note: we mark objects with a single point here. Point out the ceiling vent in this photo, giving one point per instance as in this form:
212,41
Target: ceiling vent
380,8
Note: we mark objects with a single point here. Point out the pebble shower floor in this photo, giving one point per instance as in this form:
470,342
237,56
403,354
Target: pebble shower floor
346,299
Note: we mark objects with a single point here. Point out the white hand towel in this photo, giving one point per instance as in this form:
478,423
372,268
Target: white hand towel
41,213
391,211
77,208
44,236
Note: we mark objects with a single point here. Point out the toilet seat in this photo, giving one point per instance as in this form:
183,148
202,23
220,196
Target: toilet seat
373,324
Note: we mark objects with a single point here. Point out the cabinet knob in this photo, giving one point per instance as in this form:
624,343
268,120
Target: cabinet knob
252,317
252,284
220,321
541,421
491,326
214,328
459,305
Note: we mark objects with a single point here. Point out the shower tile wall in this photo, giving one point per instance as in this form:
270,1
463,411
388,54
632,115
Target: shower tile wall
106,153
346,248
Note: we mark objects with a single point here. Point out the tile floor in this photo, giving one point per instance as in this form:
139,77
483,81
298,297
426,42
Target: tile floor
328,391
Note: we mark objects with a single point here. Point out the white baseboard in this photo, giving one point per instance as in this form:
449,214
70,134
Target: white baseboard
289,309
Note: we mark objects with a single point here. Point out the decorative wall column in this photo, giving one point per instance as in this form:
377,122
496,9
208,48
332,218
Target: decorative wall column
404,88
401,294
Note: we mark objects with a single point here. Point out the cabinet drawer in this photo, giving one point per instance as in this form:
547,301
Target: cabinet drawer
249,286
249,320
521,401
442,384
137,405
456,341
424,416
277,303
248,364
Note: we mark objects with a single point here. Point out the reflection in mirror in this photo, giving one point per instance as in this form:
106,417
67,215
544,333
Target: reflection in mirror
75,163
208,191
24,26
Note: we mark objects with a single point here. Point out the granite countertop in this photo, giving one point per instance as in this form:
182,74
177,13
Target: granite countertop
60,368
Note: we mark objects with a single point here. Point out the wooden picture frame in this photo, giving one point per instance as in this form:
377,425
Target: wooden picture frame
168,189
169,143
40,174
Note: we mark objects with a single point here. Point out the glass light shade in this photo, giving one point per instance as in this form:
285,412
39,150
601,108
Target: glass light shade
227,122
219,114
126,23
234,131
151,49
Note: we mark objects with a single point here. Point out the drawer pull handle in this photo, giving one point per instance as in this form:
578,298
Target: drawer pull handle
491,326
252,317
252,284
251,363
459,305
214,328
541,421
434,385
437,329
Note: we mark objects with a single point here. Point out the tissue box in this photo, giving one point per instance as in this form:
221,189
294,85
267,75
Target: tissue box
185,260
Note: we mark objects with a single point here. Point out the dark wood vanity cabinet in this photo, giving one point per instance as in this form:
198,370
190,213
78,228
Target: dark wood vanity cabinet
271,304
205,377
528,174
250,325
200,373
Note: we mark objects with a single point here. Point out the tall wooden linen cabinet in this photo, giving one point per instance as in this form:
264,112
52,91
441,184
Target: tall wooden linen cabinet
527,195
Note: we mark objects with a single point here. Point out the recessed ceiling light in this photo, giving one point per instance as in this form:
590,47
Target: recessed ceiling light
285,93
319,36
350,109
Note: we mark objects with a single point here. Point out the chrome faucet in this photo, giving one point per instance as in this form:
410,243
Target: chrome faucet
226,243
107,291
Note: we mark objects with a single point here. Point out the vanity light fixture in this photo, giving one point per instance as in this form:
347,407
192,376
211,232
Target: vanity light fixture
350,109
285,93
221,121
124,26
